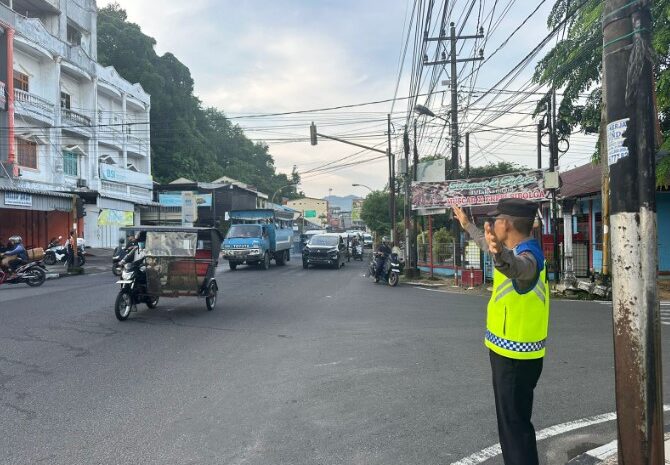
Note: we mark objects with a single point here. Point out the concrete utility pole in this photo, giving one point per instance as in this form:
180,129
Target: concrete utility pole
453,61
409,265
553,161
392,211
627,55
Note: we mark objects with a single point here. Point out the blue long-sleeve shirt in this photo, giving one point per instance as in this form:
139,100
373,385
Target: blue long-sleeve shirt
19,251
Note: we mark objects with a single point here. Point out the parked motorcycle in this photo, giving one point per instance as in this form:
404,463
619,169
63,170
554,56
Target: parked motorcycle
390,271
133,290
33,274
58,253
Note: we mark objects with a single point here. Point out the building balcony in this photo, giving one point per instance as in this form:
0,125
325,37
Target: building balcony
137,145
111,136
33,107
125,191
76,122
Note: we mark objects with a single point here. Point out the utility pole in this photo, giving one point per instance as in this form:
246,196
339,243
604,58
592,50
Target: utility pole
539,146
414,253
553,161
453,61
467,154
630,108
409,266
392,211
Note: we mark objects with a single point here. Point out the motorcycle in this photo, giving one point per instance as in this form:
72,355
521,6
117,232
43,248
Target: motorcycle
58,253
390,271
357,252
133,290
33,274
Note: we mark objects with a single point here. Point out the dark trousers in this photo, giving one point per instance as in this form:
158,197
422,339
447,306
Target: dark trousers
513,385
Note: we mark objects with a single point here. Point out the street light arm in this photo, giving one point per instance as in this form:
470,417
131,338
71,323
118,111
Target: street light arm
363,185
280,189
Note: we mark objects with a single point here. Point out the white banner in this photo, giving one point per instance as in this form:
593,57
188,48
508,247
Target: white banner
19,199
116,174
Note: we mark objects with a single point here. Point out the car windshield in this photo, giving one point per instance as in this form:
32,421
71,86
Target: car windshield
244,230
367,237
324,240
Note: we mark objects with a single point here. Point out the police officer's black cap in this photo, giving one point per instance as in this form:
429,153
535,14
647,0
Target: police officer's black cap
518,208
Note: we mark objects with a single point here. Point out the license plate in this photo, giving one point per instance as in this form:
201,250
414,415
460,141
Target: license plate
124,282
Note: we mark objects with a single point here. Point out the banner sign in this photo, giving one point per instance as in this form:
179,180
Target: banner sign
174,199
189,209
481,191
18,199
116,174
109,217
356,207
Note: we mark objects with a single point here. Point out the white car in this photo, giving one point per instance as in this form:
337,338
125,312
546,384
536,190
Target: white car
367,241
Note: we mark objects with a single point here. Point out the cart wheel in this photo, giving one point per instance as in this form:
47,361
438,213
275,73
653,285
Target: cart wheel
123,305
210,300
152,302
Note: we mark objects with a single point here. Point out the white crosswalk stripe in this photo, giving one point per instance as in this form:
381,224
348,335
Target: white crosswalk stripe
665,310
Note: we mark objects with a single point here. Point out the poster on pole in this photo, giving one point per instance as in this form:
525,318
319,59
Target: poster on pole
528,185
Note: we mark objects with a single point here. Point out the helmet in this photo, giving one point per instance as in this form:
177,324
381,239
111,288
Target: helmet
15,240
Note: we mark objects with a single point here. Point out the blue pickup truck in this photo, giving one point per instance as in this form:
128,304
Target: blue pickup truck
257,236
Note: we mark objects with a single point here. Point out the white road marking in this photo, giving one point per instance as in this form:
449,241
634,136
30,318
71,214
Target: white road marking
494,450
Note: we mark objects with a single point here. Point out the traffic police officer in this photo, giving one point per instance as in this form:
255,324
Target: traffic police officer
516,322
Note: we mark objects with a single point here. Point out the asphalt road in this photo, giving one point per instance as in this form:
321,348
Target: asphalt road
293,367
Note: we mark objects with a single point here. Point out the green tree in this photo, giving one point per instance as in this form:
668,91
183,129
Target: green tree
187,140
574,65
375,212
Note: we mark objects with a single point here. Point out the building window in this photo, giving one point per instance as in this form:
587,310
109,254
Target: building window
21,81
73,35
65,100
26,153
70,164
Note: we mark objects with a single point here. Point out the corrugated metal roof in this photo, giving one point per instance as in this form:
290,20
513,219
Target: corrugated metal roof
27,190
581,181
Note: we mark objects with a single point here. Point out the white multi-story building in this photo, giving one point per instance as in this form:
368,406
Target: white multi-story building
78,126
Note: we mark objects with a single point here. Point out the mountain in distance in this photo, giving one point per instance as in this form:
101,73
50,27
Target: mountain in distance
343,202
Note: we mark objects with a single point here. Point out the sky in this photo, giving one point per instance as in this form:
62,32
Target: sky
259,57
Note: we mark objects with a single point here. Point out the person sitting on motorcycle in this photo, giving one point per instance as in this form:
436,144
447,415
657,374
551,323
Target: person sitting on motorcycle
137,251
383,252
16,249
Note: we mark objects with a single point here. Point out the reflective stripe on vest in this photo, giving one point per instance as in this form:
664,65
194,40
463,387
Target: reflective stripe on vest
516,323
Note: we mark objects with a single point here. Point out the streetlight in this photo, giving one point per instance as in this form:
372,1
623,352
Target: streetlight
422,110
363,185
283,187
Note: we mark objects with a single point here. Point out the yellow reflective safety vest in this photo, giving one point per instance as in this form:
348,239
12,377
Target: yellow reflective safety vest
517,319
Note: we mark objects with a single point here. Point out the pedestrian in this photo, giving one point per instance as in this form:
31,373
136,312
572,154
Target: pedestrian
516,323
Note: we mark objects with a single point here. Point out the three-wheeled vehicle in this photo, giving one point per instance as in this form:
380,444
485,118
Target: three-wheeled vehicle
169,262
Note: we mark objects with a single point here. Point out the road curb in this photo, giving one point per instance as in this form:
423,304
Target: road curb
596,456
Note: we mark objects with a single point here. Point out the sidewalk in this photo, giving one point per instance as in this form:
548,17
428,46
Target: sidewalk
607,454
97,261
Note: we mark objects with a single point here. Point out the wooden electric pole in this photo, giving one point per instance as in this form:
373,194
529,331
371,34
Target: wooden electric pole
627,58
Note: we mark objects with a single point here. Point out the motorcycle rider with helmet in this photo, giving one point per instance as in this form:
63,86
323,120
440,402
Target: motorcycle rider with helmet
15,249
382,254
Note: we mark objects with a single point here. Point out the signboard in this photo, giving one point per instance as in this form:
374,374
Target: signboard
431,171
3,96
615,139
116,174
528,185
310,213
189,208
19,199
109,217
174,199
356,207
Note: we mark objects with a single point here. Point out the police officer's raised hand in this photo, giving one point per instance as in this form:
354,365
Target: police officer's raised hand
461,216
495,247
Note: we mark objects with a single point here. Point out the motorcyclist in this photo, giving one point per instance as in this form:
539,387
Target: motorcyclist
383,252
15,249
137,251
